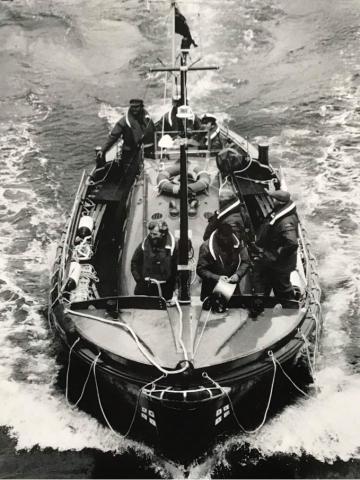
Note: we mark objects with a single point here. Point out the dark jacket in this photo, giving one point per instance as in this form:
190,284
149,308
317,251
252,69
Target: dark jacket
158,263
231,214
170,122
133,131
214,262
215,139
278,237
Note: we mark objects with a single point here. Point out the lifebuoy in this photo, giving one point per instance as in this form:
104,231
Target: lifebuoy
165,180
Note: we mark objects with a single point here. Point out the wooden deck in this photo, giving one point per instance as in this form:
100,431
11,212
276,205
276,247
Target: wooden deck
210,338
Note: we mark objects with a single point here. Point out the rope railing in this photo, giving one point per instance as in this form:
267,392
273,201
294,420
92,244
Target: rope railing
270,354
65,242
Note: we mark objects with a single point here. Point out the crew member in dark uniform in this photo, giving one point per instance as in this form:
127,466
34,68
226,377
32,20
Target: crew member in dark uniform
155,258
278,243
136,128
222,255
211,139
169,122
230,212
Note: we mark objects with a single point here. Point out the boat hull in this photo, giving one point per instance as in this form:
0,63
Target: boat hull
185,423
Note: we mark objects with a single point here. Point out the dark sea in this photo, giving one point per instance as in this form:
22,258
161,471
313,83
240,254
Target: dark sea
289,75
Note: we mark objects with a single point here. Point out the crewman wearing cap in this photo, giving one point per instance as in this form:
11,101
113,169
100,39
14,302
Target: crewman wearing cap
211,139
278,243
137,129
154,262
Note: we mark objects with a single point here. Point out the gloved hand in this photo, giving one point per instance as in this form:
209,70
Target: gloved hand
224,278
100,158
268,256
234,278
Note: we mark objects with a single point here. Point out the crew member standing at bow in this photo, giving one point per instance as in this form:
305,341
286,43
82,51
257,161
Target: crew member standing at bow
137,129
278,244
224,256
155,259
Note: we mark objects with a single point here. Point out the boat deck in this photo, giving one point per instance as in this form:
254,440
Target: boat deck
210,338
156,206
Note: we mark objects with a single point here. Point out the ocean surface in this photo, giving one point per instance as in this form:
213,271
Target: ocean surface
290,75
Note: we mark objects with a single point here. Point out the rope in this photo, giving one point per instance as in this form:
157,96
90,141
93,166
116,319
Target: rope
181,330
290,380
136,405
311,366
271,355
83,250
202,331
245,168
222,185
68,371
263,182
93,183
133,334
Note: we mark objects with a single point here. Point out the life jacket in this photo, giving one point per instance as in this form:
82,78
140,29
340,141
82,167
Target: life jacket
231,214
225,268
215,140
288,209
171,123
157,262
135,131
280,230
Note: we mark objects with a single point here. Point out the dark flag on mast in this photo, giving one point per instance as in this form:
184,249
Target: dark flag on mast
182,28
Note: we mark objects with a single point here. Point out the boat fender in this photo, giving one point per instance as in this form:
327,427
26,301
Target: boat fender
86,226
74,276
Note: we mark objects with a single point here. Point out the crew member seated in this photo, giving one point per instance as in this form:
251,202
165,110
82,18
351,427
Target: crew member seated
169,122
154,262
278,243
211,140
221,256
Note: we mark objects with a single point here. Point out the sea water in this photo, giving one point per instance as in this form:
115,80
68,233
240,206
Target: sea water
289,75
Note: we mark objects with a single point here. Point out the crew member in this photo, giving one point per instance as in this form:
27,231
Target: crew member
224,256
155,259
230,212
137,129
212,139
169,122
278,243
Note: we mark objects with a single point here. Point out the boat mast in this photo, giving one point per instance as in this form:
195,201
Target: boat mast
183,266
173,46
183,261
